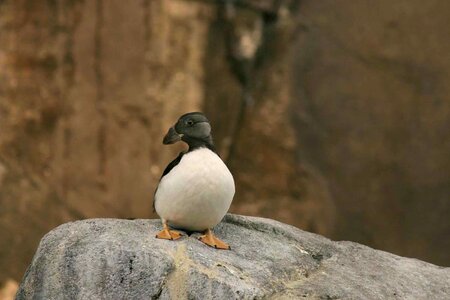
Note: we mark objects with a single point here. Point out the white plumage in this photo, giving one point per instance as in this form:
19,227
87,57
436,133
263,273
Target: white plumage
197,193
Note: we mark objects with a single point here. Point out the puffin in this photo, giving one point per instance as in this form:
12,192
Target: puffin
196,189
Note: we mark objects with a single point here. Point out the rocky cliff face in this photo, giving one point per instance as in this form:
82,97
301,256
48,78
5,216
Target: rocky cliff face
88,89
121,259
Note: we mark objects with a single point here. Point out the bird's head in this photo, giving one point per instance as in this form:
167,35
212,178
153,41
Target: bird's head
192,128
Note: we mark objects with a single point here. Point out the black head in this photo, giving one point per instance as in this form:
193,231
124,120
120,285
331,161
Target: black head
192,128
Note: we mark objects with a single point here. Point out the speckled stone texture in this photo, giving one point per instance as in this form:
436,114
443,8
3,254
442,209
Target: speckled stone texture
122,259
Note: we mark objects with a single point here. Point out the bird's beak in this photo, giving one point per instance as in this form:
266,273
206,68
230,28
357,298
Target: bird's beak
172,137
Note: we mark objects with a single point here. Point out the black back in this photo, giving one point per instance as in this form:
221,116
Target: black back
169,168
172,164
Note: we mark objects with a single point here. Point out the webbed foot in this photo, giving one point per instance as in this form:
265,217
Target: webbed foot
210,240
168,234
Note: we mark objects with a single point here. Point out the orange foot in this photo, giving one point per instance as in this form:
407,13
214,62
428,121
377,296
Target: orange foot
168,234
210,240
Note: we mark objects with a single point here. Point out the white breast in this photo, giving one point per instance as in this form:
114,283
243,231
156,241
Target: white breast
197,193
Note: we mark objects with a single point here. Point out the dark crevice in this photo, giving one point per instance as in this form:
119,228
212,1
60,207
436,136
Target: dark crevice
158,294
164,283
161,288
130,264
244,64
259,6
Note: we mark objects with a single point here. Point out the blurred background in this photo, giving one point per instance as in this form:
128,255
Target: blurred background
333,115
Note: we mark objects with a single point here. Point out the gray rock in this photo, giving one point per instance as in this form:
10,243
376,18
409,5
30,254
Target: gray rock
122,259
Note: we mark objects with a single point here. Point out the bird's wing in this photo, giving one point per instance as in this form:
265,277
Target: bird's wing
169,168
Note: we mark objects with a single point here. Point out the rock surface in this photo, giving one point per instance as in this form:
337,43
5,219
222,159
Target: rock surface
121,259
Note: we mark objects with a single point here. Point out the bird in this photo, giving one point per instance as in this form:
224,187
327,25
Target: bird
196,189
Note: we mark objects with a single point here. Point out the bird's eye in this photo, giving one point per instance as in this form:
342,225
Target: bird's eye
190,122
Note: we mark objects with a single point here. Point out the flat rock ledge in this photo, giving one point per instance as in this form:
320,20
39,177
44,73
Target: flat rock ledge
122,259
